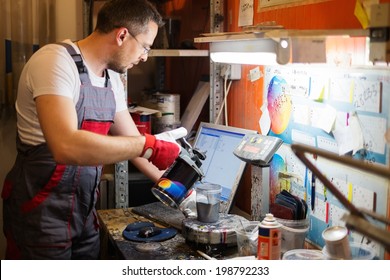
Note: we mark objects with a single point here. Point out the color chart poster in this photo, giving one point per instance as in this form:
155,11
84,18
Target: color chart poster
338,110
343,111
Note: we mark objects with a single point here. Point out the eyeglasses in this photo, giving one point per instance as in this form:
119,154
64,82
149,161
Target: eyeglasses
146,50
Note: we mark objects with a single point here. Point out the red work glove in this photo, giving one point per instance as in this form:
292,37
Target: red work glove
159,152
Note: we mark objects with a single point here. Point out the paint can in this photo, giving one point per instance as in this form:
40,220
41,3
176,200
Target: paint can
177,181
269,241
168,105
337,243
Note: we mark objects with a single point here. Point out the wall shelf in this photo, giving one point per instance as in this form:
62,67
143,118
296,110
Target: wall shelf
283,46
177,53
279,33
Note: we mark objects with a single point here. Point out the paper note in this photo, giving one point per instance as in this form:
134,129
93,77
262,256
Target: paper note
265,120
245,15
363,197
298,85
335,215
363,11
319,88
255,74
321,211
301,137
348,133
374,129
328,144
323,117
367,96
341,89
361,14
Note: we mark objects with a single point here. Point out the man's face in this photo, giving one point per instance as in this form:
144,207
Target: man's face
133,50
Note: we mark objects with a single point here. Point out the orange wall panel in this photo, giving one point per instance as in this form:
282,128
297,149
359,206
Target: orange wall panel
245,97
331,14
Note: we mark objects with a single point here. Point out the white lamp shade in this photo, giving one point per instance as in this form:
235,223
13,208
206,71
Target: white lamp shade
256,52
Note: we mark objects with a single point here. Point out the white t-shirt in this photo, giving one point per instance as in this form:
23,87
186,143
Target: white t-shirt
51,70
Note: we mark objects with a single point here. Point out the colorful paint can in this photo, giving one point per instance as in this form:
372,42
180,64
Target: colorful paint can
177,181
269,241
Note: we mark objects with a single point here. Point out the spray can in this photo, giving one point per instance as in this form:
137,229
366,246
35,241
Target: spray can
269,241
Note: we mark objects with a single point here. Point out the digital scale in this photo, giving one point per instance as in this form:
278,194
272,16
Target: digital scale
257,149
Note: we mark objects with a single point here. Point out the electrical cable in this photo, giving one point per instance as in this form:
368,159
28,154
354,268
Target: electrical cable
224,103
225,100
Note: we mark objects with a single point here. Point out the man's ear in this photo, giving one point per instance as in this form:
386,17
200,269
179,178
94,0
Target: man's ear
121,35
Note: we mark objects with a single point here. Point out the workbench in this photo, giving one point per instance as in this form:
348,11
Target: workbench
115,246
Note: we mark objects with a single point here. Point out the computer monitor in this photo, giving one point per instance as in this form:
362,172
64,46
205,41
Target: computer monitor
221,166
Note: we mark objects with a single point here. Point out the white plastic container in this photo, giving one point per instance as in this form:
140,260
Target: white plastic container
293,233
304,254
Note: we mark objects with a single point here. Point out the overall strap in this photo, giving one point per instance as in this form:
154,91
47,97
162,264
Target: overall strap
78,60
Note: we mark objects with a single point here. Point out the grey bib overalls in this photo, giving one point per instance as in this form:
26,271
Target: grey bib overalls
49,208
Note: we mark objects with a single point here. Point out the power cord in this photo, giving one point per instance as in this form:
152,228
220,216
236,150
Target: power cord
225,72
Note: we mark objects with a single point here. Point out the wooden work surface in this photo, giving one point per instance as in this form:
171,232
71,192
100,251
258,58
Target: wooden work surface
114,221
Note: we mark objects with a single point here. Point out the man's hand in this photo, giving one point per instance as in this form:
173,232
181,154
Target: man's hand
160,152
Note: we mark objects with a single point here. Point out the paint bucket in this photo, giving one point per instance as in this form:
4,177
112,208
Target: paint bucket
177,181
293,233
167,104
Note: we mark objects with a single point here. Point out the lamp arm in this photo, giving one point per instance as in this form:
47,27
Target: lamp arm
357,219
300,150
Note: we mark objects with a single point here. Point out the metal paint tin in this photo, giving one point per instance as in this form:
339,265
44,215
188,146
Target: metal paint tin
337,243
177,181
269,241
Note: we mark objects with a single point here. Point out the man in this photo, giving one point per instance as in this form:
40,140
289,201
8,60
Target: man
72,118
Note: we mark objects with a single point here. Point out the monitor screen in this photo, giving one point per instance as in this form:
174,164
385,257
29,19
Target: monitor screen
221,166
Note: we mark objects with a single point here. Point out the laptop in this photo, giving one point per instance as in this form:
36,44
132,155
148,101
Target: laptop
221,166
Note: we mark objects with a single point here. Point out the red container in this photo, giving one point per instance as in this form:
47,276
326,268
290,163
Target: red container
143,123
